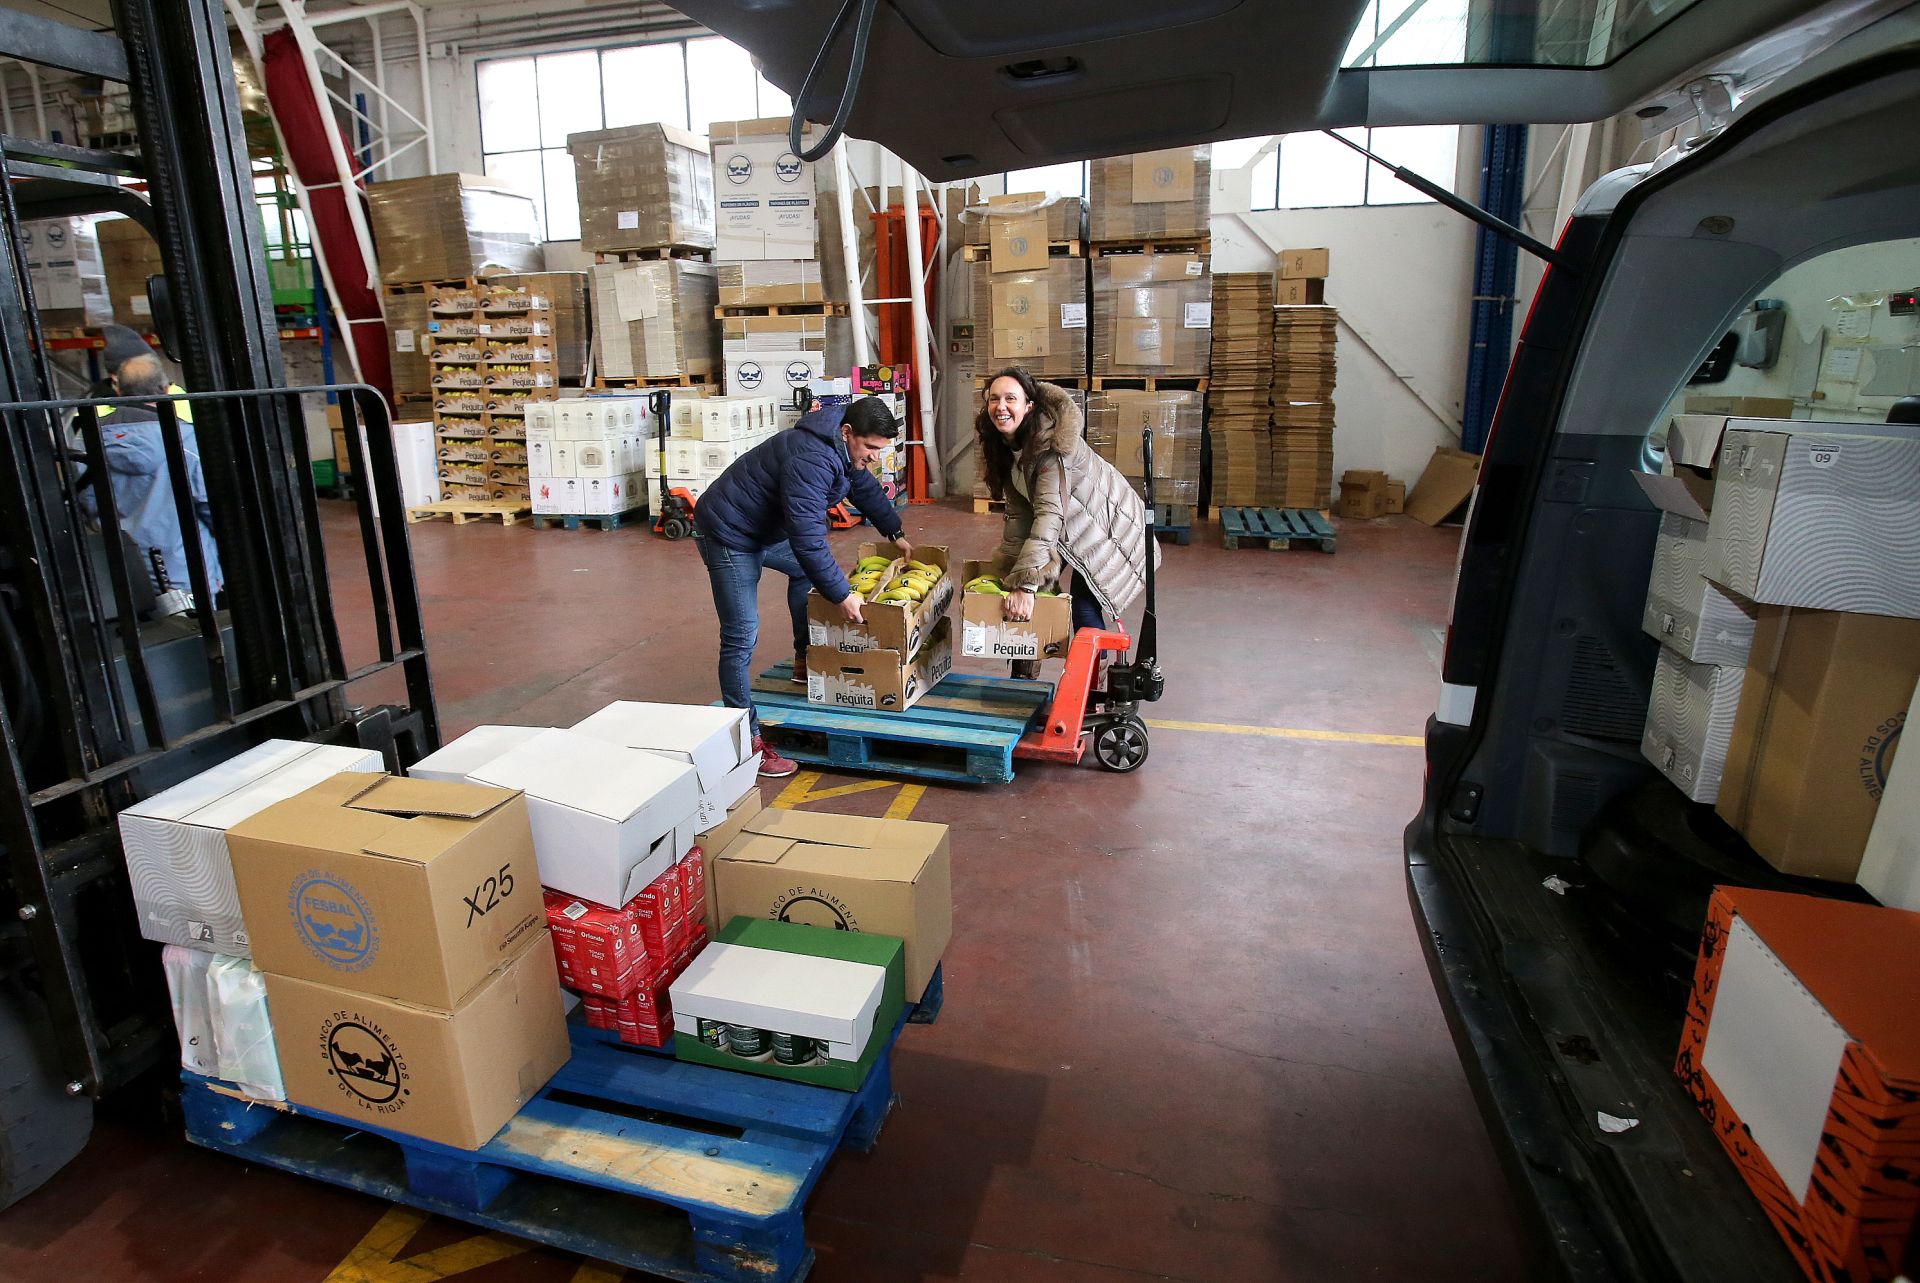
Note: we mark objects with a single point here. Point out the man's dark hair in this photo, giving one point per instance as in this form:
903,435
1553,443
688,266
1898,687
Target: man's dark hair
869,417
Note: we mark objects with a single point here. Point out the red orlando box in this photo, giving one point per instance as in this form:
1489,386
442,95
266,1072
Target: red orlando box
600,950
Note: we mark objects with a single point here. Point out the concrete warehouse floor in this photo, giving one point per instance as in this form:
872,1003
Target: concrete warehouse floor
1189,1034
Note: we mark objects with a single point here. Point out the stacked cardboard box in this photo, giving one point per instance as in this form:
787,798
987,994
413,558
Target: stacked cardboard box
69,280
642,187
706,436
1152,314
1117,421
1156,195
1020,229
586,456
655,318
129,255
1033,317
898,654
775,354
1239,414
449,227
493,354
1302,396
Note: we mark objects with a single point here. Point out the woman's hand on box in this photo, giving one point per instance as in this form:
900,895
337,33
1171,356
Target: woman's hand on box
1019,605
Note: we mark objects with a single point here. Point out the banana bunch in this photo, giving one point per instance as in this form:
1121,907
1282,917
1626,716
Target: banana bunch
911,585
994,587
866,576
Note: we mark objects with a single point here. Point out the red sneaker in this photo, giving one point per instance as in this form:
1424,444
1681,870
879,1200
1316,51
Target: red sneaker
800,667
772,765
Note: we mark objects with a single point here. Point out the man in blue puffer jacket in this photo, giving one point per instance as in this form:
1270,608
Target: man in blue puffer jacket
769,508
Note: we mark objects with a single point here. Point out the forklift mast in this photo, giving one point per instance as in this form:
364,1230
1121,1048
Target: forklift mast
102,705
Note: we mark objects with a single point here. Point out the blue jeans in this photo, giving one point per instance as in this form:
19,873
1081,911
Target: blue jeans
1086,606
735,577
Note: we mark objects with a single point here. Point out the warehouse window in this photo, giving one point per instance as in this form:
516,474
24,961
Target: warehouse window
529,105
1069,179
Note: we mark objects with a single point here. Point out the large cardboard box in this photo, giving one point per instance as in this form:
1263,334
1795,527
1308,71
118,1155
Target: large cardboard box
455,761
1690,716
765,197
176,847
1304,265
607,820
773,373
843,873
1800,1046
1890,868
886,680
1363,494
1152,314
1154,194
1684,609
1446,484
1821,710
986,632
1032,316
448,226
655,319
408,889
905,629
129,255
455,1077
840,988
642,187
716,742
62,258
761,283
1819,515
713,841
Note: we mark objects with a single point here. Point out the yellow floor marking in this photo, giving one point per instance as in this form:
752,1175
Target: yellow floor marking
598,1272
375,1258
801,790
910,795
1291,733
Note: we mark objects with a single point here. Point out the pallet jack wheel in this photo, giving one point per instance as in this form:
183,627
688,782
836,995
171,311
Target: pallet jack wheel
1122,745
675,528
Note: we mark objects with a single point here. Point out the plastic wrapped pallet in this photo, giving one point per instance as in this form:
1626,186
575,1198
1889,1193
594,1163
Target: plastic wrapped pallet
1153,195
1037,319
448,226
655,319
1152,314
1115,423
1240,418
409,318
566,294
1019,227
128,255
770,283
642,187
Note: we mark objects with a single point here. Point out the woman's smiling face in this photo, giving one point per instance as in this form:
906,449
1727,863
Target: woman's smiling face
1007,406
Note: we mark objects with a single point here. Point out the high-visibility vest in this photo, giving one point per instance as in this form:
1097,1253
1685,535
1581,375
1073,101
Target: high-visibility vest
182,410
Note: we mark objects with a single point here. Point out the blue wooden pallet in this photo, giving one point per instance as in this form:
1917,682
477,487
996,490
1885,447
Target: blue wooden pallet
1277,528
963,731
542,521
628,1155
1173,523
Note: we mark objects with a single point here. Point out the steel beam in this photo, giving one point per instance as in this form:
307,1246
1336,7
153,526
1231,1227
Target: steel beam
59,45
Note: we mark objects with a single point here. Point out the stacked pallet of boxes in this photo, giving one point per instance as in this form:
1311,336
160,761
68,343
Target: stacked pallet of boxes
1239,414
437,239
1027,258
1304,333
781,322
705,436
587,456
646,214
1788,616
129,255
64,266
1152,318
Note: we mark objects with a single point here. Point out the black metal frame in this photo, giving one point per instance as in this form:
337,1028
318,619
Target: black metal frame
101,729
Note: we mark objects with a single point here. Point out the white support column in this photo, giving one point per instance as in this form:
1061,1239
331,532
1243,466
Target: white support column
922,356
850,254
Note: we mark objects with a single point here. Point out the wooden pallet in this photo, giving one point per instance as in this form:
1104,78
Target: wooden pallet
629,1156
1150,383
574,521
983,504
1275,528
462,511
1055,249
727,310
1155,245
392,288
654,253
605,381
1173,523
961,732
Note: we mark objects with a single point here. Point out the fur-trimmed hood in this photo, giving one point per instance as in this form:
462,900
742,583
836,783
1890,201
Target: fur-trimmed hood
1058,427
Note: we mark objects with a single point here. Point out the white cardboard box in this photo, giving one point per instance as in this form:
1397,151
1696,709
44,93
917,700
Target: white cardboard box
1687,611
825,998
555,496
1690,713
1819,515
773,374
716,742
418,463
607,820
610,496
455,761
717,456
176,840
597,459
1890,868
683,458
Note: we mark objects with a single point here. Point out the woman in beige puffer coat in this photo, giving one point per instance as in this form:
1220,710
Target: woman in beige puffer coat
1067,508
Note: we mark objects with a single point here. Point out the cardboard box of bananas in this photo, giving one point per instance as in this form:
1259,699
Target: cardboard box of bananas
904,599
986,632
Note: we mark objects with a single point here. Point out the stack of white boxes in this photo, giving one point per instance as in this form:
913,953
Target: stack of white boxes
707,435
587,456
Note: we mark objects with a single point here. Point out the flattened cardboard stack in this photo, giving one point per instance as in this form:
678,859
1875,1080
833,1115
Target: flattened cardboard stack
1154,195
1152,315
655,319
1240,419
1115,421
449,227
642,187
493,350
1302,395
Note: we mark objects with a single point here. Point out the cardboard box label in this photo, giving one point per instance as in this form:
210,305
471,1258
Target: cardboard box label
1073,316
627,219
1018,244
1199,316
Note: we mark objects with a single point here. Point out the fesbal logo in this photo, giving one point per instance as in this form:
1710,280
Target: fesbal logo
739,169
799,374
788,168
334,921
748,374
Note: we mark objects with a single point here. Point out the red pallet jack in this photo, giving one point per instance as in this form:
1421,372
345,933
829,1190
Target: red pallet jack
674,520
1107,719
